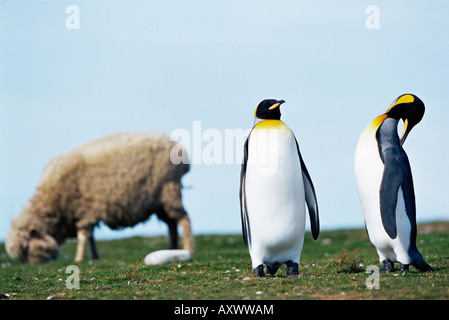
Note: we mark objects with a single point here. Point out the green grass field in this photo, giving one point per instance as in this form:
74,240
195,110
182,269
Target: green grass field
334,267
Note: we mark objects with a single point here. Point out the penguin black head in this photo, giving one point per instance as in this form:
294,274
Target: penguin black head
410,109
269,109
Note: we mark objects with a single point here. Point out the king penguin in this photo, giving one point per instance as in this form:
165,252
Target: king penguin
385,185
274,187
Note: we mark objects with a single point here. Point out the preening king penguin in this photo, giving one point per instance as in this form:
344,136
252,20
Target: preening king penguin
274,187
385,185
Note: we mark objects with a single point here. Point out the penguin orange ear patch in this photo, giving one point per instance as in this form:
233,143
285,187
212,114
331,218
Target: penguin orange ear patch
406,98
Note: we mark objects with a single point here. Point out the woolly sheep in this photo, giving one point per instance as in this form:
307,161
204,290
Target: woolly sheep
120,179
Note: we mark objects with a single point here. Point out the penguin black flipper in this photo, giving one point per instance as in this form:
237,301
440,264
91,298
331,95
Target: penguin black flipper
243,212
410,208
409,194
389,187
310,196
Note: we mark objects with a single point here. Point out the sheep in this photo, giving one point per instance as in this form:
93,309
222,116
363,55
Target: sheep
121,179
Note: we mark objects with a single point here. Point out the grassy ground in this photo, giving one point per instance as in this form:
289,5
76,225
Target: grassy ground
332,267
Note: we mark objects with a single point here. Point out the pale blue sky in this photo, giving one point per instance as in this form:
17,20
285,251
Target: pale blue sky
161,65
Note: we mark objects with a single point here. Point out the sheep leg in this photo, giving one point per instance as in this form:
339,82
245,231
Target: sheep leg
172,206
173,233
172,227
93,248
182,219
82,235
187,236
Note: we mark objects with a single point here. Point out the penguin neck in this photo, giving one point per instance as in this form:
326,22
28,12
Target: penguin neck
387,136
377,122
258,120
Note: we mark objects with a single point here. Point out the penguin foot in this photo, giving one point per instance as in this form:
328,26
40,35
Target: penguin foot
403,267
258,272
388,266
292,270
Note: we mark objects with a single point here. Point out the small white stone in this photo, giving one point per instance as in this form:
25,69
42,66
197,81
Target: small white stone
167,256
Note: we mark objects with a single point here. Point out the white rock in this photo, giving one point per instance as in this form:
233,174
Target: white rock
167,256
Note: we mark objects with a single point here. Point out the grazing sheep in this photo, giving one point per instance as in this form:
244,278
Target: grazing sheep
121,180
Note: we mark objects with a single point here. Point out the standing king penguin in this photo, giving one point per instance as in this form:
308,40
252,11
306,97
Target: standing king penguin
385,185
274,187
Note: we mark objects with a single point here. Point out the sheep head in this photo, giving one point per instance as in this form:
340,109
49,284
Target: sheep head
29,241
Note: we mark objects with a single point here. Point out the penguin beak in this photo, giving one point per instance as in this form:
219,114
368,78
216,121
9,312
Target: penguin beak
276,105
407,129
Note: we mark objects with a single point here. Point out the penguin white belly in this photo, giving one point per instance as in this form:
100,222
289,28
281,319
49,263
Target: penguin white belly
274,197
369,170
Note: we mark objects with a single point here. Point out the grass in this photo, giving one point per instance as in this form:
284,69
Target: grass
332,267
